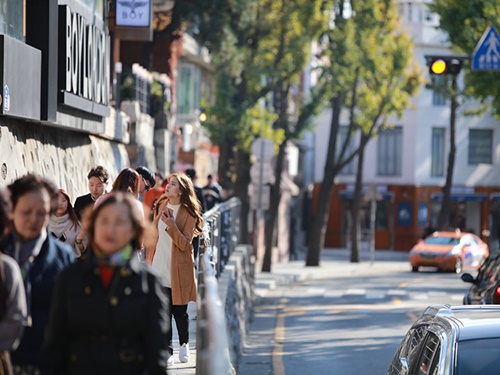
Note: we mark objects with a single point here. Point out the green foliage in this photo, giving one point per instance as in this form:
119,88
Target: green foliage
465,21
127,88
370,64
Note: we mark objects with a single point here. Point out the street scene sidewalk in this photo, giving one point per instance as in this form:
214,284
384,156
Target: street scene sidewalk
261,340
188,368
259,348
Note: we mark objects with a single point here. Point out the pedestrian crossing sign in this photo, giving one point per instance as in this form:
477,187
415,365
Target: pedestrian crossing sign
486,56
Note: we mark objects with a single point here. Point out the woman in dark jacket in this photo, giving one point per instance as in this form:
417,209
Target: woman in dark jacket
108,315
40,258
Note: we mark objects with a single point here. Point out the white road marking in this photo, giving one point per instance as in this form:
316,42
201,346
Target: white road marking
357,292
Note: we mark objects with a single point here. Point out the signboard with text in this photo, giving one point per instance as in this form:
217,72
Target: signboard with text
133,13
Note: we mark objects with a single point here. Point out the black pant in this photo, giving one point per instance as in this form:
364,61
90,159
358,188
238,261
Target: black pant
181,317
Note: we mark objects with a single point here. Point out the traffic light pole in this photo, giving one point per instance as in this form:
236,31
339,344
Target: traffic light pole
444,213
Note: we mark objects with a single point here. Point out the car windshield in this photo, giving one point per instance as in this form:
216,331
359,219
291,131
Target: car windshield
442,241
478,357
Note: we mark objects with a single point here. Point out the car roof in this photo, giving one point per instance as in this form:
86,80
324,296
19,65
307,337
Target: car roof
470,321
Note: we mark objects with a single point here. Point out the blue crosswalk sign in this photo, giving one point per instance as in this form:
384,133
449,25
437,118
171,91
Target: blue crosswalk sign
487,53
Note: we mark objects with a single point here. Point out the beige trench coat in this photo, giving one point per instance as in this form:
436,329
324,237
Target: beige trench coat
182,266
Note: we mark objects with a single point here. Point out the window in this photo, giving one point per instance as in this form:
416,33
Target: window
437,152
12,18
480,146
350,168
188,89
439,85
479,356
428,360
390,152
408,349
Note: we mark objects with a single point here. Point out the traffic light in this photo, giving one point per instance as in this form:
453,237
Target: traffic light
441,65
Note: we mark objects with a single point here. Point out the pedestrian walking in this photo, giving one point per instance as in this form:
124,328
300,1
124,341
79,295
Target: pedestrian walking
127,181
65,226
212,192
151,196
40,257
147,181
108,315
12,299
98,178
191,172
177,219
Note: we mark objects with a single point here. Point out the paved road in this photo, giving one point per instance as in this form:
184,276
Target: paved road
340,318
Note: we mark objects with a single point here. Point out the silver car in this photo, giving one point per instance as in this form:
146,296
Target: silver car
451,340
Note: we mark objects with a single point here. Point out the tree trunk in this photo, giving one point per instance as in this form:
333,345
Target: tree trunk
273,211
226,160
356,206
444,213
241,190
320,218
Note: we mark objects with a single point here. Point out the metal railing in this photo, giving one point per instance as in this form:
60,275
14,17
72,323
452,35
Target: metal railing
222,232
220,236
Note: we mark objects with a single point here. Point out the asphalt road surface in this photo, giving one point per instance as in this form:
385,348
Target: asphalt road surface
340,318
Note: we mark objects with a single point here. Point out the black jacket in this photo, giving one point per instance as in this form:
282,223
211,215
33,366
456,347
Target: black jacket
81,203
54,256
119,330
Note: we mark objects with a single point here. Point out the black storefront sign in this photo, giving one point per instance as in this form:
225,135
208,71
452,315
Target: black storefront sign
84,63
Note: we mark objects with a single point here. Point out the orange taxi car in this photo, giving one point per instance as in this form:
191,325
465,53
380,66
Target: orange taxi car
449,251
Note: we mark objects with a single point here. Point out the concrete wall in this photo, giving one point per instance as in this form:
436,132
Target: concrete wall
236,291
63,156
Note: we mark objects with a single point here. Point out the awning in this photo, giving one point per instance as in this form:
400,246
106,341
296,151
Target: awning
464,197
349,195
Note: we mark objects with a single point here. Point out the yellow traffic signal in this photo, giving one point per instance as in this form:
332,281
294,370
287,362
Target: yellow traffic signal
441,65
438,67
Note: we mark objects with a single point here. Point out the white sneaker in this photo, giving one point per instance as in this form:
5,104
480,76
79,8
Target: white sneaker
170,360
184,353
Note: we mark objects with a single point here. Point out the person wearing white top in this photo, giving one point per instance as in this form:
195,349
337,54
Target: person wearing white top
177,219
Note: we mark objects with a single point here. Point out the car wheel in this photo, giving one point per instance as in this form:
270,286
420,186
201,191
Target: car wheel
414,269
458,265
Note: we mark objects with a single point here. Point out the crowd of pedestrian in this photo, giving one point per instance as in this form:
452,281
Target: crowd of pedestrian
88,288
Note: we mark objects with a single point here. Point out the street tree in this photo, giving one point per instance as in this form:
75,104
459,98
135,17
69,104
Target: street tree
260,48
370,75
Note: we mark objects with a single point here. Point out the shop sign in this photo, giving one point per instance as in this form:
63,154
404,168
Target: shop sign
133,13
86,52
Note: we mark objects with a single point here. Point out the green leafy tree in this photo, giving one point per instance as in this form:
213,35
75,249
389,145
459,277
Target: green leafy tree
369,73
259,47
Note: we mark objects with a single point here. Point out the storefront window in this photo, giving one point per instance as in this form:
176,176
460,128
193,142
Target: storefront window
11,18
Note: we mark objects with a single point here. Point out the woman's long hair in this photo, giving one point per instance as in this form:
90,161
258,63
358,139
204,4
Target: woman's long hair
134,214
70,210
128,181
189,199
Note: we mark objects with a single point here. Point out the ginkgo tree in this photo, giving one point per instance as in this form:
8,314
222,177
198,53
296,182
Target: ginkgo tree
371,76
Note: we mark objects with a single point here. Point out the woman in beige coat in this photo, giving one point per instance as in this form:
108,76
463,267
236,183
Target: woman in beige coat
177,219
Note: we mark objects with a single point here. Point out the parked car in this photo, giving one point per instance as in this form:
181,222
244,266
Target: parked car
485,289
445,340
449,251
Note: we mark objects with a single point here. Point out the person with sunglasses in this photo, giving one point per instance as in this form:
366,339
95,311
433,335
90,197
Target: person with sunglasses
147,181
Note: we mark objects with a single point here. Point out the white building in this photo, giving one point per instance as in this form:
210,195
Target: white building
408,163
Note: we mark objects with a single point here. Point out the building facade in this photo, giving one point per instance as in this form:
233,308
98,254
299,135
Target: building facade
56,117
407,164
